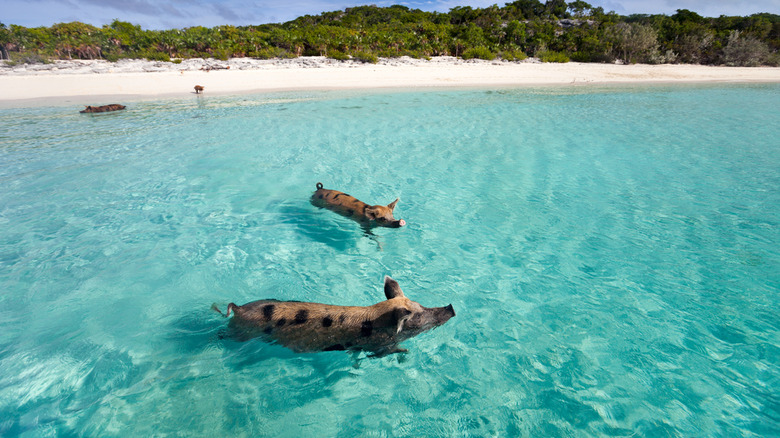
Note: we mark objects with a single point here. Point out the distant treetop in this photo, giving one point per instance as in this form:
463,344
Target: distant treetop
554,30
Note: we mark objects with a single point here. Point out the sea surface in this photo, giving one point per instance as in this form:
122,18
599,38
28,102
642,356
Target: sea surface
612,254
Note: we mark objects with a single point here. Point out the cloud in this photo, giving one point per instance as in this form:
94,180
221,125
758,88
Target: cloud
707,8
154,14
716,8
140,7
227,13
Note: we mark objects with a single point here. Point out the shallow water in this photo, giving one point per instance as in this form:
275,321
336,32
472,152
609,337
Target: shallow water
611,253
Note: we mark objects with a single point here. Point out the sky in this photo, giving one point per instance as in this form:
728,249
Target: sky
177,14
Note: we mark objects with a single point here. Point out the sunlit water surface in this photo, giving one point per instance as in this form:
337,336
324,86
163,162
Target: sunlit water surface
613,256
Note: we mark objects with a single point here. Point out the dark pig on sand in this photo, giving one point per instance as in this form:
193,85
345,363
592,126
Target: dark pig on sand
311,327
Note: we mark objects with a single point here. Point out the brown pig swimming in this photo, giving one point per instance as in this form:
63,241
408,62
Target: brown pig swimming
367,215
103,108
310,327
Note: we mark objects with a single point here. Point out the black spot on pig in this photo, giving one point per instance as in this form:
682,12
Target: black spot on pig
366,329
327,321
301,317
268,311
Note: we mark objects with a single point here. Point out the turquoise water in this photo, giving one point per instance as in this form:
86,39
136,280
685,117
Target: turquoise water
611,253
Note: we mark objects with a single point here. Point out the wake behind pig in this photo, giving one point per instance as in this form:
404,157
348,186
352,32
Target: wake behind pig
310,327
367,215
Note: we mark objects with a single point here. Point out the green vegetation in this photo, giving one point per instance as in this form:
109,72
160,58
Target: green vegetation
552,56
365,57
480,52
338,55
513,55
555,31
156,56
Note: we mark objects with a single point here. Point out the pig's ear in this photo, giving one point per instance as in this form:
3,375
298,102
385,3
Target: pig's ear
391,205
400,315
371,212
392,289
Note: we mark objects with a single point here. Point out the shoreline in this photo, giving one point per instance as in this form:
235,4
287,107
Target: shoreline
96,82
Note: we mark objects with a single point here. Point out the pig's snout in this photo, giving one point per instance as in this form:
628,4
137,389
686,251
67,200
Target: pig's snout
399,223
443,314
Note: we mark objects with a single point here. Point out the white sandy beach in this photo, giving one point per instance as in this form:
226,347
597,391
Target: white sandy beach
128,79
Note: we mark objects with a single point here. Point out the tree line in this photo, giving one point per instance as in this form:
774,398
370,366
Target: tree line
554,31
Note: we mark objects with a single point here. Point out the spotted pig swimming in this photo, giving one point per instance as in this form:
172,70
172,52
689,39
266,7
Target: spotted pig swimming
367,215
310,327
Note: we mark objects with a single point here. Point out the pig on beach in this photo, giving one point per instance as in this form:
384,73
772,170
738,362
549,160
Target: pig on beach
367,215
310,327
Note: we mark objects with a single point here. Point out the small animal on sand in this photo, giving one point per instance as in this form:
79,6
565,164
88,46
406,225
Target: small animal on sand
198,89
367,215
311,327
103,108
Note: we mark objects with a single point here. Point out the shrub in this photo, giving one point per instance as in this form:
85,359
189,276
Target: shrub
416,54
479,53
744,51
365,57
156,56
668,57
112,57
633,42
27,58
222,54
389,53
692,47
272,52
191,53
513,55
36,59
337,55
286,54
552,56
605,56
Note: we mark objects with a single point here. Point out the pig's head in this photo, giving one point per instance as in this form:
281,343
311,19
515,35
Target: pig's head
410,317
382,215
